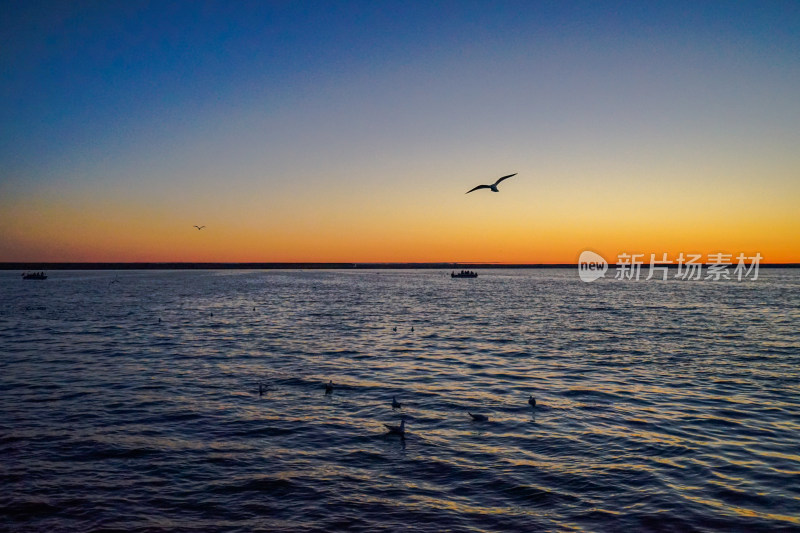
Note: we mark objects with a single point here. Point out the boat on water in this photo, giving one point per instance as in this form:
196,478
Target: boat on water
464,274
34,275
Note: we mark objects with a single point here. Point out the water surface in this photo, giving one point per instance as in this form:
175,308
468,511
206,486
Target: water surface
662,406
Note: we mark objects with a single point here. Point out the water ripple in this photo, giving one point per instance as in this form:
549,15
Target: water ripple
661,406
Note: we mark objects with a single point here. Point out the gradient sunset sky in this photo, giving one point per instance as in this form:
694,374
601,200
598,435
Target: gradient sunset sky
350,131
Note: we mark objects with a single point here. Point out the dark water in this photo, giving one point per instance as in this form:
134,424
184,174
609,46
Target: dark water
662,406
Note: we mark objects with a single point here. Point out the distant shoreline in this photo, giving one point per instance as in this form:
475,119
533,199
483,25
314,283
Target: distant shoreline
304,266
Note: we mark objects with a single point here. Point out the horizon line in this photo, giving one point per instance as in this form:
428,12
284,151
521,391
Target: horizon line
298,265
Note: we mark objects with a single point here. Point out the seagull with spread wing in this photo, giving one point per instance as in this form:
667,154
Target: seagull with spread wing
493,186
198,227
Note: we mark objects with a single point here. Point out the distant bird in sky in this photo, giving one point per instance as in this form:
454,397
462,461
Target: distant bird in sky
478,418
493,186
201,227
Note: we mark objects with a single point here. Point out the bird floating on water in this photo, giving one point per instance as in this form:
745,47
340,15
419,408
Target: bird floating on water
478,418
532,401
329,387
395,403
262,389
397,430
198,227
493,186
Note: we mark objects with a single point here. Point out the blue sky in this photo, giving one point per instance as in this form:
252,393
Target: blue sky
138,102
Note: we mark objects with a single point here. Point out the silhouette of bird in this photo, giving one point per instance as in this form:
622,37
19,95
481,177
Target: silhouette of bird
493,186
532,401
412,328
262,389
394,328
478,418
329,387
397,430
395,403
198,227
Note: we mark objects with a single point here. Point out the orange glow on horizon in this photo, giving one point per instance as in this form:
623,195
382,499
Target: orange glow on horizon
81,236
525,223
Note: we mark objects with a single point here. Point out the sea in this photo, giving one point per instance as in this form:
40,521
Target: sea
129,401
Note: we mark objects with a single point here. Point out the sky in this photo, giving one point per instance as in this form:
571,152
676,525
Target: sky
350,131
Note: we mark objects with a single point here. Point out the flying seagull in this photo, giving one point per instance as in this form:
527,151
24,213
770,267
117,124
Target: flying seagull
493,187
201,227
